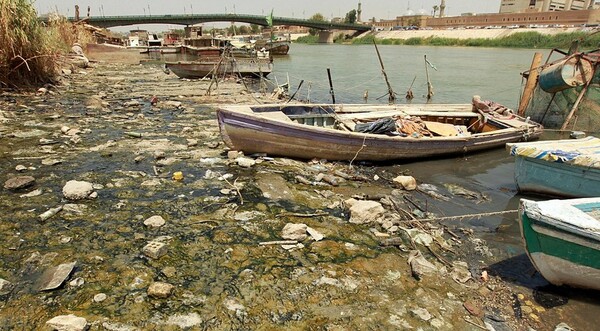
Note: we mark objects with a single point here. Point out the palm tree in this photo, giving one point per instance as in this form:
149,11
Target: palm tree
435,9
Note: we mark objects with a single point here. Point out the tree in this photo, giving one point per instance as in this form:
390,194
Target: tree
244,29
316,17
435,9
350,17
255,28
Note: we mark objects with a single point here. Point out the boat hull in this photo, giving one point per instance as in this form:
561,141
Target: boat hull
201,69
553,178
257,134
561,256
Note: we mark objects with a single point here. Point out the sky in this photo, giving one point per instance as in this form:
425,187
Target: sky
380,9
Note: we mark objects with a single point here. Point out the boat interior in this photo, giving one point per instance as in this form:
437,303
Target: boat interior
437,120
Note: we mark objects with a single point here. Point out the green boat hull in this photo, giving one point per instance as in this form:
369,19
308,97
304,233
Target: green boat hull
562,256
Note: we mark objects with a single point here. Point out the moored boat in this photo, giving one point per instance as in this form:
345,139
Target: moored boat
245,67
562,240
568,167
331,131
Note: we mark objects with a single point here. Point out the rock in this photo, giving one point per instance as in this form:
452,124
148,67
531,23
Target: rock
160,290
421,313
473,308
169,272
362,211
19,182
155,249
77,282
316,235
293,231
563,327
5,286
51,162
64,129
54,277
49,213
100,297
245,162
232,155
155,221
20,168
67,323
174,104
77,190
419,265
31,194
185,321
408,183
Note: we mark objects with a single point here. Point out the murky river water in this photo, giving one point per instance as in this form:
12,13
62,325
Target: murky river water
224,280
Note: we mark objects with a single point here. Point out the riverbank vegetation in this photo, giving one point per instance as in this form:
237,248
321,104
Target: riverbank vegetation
516,40
30,53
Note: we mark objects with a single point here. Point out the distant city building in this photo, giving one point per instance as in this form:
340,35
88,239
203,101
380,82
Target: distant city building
520,6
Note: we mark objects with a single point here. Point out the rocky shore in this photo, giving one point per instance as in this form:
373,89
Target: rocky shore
123,210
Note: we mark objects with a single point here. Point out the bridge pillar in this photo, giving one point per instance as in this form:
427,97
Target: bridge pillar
326,37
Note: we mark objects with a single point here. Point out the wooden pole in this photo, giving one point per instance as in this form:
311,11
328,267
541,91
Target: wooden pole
391,93
576,104
429,86
531,83
331,86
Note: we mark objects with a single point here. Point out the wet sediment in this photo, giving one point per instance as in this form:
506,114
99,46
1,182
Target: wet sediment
201,264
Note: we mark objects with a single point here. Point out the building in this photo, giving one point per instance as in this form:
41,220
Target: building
519,6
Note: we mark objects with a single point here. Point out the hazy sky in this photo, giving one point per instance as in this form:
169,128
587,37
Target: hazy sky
380,9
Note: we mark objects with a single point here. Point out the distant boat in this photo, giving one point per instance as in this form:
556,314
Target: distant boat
569,167
562,240
274,47
245,67
329,132
566,92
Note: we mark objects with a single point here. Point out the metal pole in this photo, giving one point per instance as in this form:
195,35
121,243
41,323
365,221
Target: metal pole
331,86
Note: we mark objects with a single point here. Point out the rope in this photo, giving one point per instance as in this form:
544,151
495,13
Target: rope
463,217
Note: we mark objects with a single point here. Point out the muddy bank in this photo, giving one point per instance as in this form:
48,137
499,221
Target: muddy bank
234,241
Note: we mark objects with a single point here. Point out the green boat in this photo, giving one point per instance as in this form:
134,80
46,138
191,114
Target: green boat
562,240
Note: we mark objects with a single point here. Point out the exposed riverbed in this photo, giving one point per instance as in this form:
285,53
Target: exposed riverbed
100,127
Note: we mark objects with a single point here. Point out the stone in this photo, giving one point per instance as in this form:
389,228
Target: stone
473,308
77,190
5,286
362,212
245,162
155,249
408,183
185,321
114,326
232,155
20,168
169,272
77,282
293,231
67,323
55,277
100,297
563,327
419,265
316,235
160,290
421,313
19,182
31,194
155,221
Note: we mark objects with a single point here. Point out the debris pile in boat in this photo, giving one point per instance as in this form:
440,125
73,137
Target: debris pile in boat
411,126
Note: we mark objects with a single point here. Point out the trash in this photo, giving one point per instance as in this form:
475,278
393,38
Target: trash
133,134
408,183
178,176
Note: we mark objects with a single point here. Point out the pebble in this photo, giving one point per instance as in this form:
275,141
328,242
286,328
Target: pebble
100,297
20,168
77,190
293,231
5,286
160,290
155,249
67,323
19,182
155,221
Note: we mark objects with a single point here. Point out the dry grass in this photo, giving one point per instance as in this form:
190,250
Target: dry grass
30,53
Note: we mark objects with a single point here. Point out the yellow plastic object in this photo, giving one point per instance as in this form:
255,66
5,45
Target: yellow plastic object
178,175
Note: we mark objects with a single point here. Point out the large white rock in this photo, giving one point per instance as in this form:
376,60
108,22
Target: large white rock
293,231
155,221
67,323
408,183
77,190
364,211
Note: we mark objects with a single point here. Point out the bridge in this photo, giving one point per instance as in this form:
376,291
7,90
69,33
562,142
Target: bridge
112,21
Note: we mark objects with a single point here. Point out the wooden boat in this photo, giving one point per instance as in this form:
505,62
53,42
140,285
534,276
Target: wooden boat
569,167
245,67
274,47
327,131
562,239
564,93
